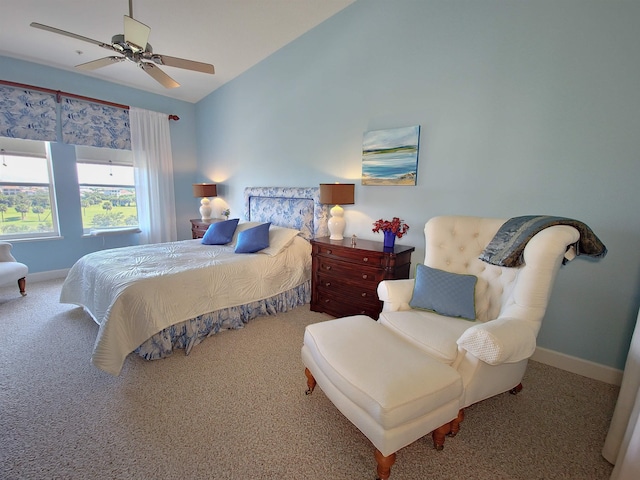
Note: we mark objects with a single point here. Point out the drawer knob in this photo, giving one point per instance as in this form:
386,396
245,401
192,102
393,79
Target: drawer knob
328,267
327,284
329,252
365,259
364,276
364,294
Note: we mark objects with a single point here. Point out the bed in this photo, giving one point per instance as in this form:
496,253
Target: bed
153,299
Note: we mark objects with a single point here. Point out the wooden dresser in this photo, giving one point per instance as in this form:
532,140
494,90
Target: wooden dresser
345,279
199,226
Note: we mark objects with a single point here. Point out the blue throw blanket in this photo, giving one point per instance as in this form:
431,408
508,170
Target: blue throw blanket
507,246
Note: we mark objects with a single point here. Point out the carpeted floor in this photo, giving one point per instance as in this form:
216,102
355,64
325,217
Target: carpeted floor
235,409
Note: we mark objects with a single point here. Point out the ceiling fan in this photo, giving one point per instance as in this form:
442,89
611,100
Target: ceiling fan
133,46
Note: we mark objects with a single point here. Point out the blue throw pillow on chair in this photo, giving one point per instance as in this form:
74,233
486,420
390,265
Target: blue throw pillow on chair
253,239
446,293
220,233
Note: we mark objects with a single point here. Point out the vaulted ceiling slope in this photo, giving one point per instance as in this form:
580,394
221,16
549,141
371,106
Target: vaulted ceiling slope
232,35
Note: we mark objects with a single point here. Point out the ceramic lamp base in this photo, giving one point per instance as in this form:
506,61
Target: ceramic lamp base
336,223
205,209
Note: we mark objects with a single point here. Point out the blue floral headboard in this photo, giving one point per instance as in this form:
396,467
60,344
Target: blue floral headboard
292,207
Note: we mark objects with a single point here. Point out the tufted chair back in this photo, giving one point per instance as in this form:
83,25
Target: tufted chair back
454,243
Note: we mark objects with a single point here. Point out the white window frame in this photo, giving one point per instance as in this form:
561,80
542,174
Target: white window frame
18,149
106,157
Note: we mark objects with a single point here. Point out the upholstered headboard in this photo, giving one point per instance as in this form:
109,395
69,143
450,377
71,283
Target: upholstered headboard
292,207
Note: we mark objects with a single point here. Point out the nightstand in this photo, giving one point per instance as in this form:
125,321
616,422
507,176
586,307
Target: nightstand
199,226
344,279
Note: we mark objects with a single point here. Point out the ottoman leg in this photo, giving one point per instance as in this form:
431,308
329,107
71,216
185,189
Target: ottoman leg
384,464
311,382
439,435
455,423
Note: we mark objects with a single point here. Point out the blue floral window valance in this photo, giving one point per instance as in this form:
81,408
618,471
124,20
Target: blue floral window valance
34,115
95,125
27,114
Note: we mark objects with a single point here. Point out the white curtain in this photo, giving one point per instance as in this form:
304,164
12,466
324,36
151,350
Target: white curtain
622,445
153,174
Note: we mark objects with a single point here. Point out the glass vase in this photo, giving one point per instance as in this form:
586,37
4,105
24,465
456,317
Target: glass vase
389,239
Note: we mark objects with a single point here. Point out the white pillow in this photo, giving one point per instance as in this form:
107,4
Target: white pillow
279,238
503,340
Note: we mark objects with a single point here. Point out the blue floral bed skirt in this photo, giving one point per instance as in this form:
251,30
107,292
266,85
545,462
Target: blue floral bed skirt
188,334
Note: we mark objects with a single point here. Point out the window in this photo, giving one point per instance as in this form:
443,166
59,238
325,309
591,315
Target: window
27,203
107,189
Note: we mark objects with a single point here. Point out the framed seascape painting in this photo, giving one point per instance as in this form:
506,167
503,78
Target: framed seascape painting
390,157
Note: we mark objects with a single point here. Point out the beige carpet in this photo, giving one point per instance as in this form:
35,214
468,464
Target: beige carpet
235,409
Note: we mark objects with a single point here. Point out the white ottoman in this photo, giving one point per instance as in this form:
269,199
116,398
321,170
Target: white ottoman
388,388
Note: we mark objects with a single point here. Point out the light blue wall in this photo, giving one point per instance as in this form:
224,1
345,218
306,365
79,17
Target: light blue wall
526,107
47,255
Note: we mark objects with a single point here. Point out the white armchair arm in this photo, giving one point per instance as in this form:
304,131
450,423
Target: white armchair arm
396,294
504,340
5,252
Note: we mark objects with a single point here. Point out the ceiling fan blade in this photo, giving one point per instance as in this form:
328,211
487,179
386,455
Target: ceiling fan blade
182,63
69,34
158,75
101,62
135,33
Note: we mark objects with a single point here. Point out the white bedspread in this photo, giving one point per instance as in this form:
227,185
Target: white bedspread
135,292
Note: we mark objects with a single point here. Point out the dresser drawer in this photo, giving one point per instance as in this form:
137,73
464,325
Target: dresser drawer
339,306
348,290
199,227
343,271
351,255
199,231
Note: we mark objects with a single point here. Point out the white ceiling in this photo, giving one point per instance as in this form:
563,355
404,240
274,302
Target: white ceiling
233,35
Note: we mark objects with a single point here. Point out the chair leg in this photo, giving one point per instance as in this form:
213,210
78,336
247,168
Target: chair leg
455,423
22,286
515,390
311,382
384,464
439,435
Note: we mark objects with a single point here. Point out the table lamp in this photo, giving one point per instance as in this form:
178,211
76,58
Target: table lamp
204,191
337,194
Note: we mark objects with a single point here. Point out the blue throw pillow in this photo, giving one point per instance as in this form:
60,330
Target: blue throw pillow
253,239
446,293
220,233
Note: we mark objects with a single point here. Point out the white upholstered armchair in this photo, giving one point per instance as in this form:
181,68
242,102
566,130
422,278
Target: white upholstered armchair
489,350
10,269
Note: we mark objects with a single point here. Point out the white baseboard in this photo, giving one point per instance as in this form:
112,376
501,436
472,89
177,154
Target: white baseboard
577,365
49,275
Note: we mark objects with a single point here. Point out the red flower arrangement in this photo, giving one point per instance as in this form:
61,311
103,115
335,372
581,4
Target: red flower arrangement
396,226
